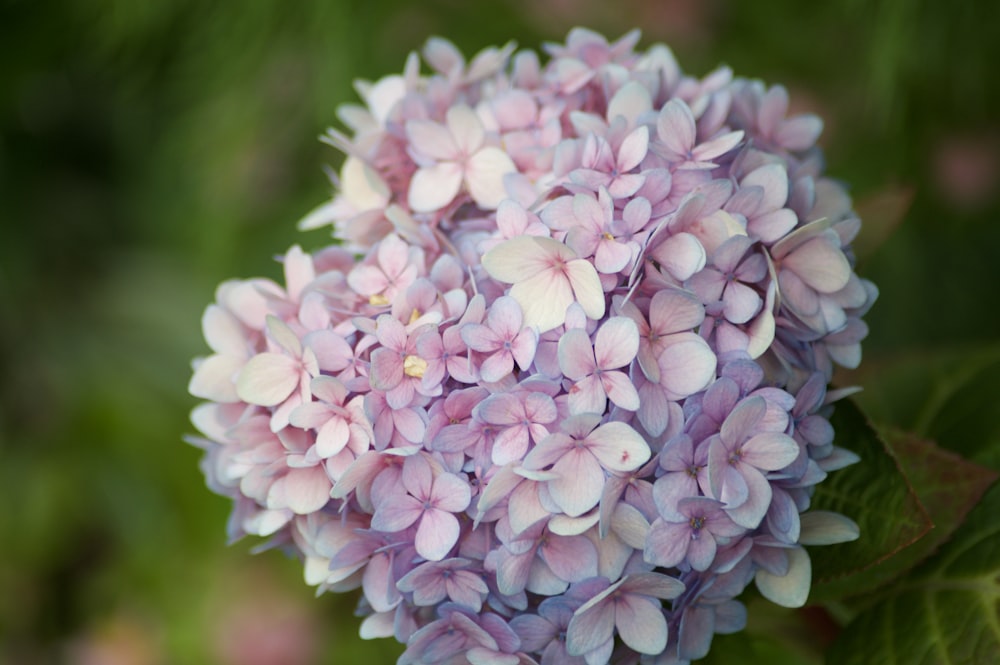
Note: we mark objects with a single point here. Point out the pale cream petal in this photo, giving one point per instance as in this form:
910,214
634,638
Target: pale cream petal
587,287
466,128
791,589
434,187
484,176
268,379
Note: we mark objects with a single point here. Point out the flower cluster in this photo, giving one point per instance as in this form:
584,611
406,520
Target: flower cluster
558,393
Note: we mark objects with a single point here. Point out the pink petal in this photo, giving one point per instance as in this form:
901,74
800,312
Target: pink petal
578,487
497,366
307,490
718,146
571,558
434,187
681,255
630,102
386,369
268,379
588,396
773,178
332,437
701,551
745,416
750,513
590,629
633,149
800,132
620,390
523,347
616,343
641,624
675,128
611,256
436,535
396,512
674,311
480,338
510,445
820,264
770,451
618,447
740,303
576,355
333,353
773,225
223,332
215,378
451,493
283,336
418,477
431,139
687,365
299,271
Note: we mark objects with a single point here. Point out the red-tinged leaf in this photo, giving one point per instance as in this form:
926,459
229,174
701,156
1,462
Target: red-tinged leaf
948,487
877,495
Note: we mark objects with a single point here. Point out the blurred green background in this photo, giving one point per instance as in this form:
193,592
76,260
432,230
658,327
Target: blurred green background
150,150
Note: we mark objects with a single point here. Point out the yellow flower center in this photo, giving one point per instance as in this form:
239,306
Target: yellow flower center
414,366
378,300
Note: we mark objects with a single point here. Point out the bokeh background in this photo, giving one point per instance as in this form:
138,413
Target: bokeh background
150,150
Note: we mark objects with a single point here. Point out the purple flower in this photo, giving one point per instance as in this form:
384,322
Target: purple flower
689,533
579,457
592,366
738,456
518,401
432,582
504,338
430,501
631,608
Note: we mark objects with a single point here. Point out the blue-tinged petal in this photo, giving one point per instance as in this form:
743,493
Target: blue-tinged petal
791,589
641,624
820,527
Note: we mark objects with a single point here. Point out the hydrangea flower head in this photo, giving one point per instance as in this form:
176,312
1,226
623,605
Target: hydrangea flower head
557,391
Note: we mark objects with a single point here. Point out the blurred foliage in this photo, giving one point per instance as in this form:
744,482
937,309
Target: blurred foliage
149,150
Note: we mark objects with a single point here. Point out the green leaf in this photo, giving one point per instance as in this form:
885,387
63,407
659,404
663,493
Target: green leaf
946,612
945,396
966,420
946,485
876,495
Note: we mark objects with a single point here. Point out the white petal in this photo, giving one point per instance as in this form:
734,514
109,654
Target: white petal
465,128
434,187
543,300
484,176
223,331
362,186
522,257
215,379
